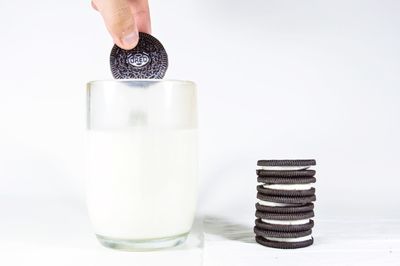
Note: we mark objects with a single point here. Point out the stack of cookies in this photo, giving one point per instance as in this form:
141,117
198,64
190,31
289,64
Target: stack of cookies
284,209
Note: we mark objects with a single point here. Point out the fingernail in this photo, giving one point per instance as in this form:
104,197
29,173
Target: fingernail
130,40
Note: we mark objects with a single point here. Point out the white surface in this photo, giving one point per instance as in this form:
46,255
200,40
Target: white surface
58,233
336,242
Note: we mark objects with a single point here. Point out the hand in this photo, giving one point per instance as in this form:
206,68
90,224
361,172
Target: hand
124,19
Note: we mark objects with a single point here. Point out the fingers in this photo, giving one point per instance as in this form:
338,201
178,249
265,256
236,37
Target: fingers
94,6
142,15
119,18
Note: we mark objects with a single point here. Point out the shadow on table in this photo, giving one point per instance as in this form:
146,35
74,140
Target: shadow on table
195,238
226,229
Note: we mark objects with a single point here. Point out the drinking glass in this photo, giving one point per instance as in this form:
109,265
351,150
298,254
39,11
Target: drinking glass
142,162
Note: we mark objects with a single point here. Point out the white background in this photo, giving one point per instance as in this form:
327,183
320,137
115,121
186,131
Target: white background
276,79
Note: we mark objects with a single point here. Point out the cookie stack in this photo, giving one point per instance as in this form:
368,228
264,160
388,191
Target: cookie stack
285,208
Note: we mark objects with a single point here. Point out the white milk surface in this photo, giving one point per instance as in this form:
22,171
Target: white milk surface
142,183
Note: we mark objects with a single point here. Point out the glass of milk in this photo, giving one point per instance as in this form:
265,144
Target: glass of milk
141,162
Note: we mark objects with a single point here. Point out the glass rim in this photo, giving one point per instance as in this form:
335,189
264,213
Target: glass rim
125,81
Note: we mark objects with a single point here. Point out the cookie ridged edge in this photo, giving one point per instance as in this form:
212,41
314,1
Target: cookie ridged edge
276,234
284,245
286,173
285,216
285,180
288,193
290,209
288,200
307,162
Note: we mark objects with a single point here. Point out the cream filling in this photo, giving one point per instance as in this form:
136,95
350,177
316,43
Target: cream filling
297,239
286,222
289,186
282,168
276,204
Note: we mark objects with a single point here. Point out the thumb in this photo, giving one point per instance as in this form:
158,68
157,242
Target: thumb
120,22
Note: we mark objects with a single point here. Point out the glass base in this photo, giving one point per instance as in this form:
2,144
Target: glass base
142,244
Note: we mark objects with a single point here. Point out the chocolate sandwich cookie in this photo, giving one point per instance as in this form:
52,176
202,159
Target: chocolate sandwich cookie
284,227
285,164
285,222
284,200
286,244
148,60
281,190
283,240
288,209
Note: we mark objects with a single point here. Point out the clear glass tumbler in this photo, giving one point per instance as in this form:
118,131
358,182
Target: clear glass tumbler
142,162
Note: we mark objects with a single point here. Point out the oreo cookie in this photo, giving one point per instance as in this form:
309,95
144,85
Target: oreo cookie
283,240
284,227
289,209
286,200
148,60
300,243
286,192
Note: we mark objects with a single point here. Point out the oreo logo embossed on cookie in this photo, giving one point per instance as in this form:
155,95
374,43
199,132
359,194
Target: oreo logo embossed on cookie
148,60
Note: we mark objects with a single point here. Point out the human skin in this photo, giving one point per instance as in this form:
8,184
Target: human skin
124,19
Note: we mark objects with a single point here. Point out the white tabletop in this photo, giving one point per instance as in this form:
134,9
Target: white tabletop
57,232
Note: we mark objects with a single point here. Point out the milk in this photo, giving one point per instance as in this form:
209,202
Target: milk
142,182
